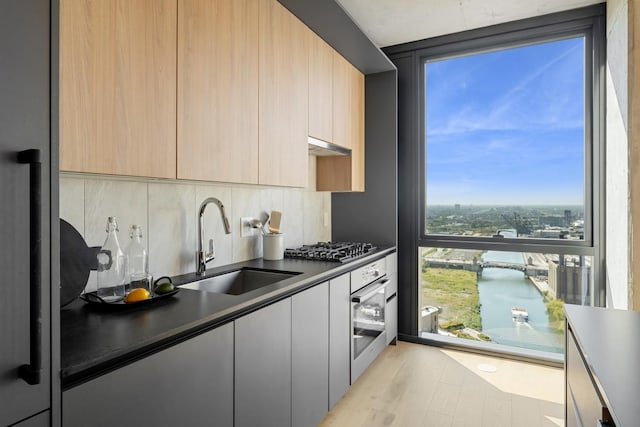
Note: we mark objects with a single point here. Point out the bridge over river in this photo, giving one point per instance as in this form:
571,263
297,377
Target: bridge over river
507,265
478,267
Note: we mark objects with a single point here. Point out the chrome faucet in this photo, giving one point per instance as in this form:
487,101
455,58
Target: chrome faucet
202,257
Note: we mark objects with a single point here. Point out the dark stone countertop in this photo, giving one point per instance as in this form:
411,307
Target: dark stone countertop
610,342
95,340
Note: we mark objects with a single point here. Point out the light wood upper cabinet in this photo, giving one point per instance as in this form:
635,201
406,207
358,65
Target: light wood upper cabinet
345,173
211,90
283,97
320,89
348,103
218,90
118,87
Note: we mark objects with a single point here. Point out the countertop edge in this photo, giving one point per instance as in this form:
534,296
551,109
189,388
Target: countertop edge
81,373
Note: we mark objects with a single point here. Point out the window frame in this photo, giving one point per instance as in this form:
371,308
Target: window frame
590,28
405,58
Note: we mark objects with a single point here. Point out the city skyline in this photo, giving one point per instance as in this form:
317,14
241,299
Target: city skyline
507,127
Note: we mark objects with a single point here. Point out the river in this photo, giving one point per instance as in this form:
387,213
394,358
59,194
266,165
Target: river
500,291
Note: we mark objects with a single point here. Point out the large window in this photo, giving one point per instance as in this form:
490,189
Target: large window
505,142
508,187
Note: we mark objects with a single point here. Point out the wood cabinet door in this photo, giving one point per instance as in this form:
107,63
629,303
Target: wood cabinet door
218,90
118,87
345,173
320,89
283,97
341,173
348,103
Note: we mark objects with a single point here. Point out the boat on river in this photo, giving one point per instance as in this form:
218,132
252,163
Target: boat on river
519,314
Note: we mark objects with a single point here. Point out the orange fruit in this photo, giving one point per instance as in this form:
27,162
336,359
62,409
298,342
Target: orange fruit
138,294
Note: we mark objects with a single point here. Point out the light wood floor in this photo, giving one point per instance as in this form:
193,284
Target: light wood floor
418,385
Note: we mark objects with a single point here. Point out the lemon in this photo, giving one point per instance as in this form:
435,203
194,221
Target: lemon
138,294
164,288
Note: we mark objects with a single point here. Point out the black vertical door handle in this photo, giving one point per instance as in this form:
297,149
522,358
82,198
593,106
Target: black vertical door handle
31,372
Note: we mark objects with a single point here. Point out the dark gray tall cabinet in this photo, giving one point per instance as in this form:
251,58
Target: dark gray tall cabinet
25,214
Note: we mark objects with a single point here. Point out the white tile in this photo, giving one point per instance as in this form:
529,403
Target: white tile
213,225
168,214
326,215
125,200
172,229
72,201
313,230
271,199
246,203
293,218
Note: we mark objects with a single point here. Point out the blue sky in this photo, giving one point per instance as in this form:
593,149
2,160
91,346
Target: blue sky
507,127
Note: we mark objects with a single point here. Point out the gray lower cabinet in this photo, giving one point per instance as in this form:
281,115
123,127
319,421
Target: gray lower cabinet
310,356
263,367
189,384
584,406
40,420
339,338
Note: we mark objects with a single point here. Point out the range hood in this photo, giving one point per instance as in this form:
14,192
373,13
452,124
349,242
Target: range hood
318,147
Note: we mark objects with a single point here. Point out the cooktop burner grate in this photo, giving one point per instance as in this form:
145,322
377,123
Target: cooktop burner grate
330,251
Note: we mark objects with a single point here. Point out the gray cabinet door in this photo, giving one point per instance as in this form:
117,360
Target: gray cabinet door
263,367
189,384
339,338
582,400
310,356
40,420
24,124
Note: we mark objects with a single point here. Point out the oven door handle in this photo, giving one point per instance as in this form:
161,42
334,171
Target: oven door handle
369,291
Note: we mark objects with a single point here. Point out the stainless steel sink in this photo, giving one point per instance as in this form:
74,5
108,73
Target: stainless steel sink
238,282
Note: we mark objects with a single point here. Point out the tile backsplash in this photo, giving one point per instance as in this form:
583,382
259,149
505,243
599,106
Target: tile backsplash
167,212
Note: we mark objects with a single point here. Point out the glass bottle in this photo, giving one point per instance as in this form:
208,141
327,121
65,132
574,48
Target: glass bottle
138,257
112,266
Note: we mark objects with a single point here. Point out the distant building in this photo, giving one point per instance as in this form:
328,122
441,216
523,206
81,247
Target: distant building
549,233
552,220
429,321
567,217
457,207
566,279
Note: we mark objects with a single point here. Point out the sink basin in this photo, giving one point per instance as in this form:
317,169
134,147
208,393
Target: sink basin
238,282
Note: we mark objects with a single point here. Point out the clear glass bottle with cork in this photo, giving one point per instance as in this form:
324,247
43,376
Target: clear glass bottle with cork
139,276
112,266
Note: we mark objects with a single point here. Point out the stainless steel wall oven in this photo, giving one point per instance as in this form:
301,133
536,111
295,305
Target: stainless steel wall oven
368,326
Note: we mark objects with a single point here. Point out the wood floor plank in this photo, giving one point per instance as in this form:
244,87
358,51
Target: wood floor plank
417,385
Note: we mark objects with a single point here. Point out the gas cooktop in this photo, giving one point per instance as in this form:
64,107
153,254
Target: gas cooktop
330,251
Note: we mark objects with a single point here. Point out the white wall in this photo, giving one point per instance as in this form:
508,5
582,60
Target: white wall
167,212
617,175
